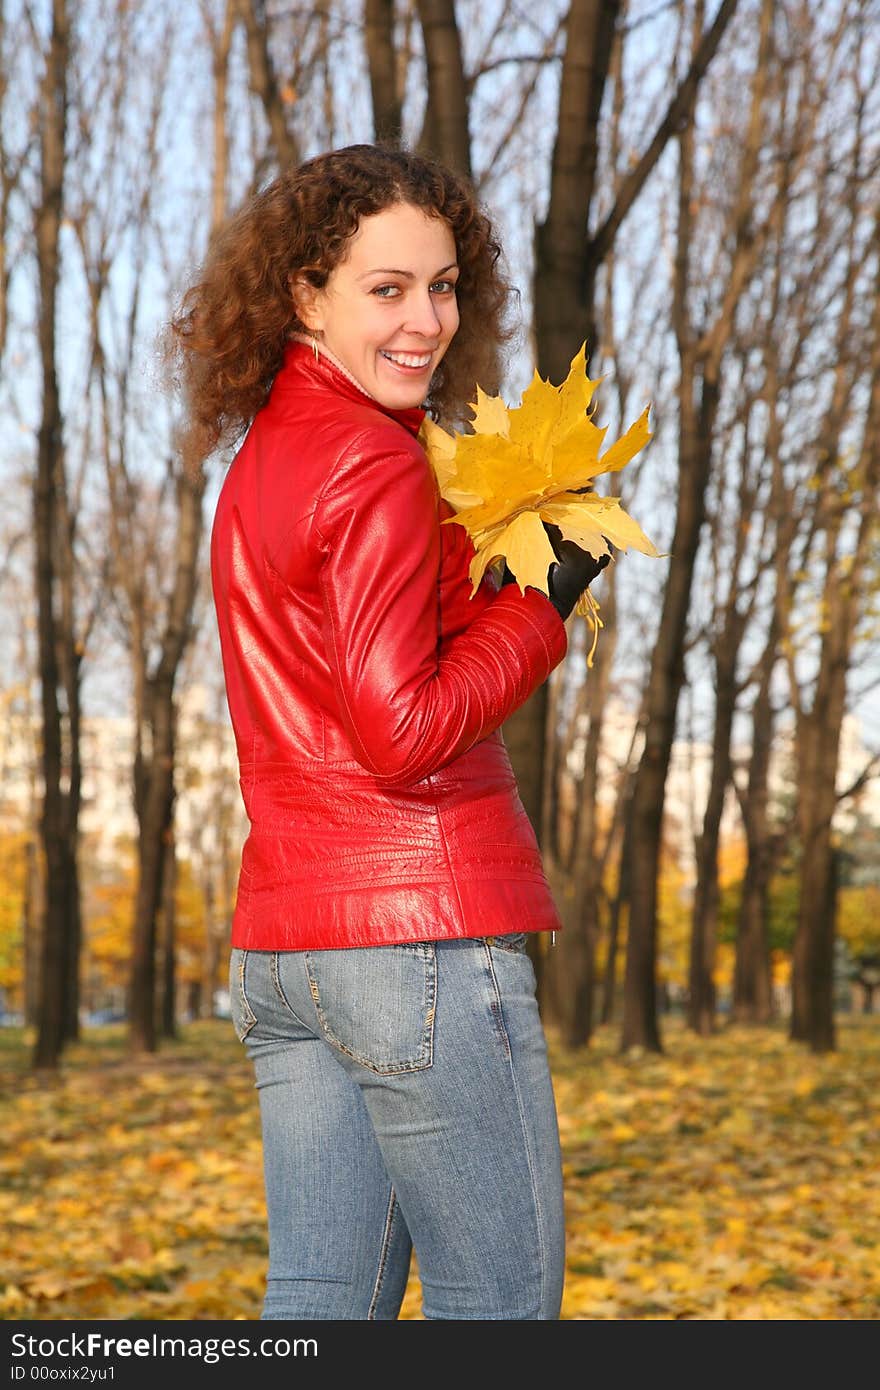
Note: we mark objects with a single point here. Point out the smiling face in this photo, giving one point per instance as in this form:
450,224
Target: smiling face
388,310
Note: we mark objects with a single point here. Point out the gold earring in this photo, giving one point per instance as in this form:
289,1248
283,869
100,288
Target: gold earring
315,345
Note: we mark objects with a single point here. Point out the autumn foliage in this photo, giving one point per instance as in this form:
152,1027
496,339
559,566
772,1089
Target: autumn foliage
728,1179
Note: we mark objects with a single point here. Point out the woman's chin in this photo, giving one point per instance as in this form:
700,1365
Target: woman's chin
403,397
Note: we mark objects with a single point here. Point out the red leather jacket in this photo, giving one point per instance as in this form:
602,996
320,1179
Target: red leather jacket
366,687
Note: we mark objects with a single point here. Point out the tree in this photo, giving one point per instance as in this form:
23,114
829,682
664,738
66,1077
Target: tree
445,132
569,251
702,343
849,514
384,70
733,584
58,658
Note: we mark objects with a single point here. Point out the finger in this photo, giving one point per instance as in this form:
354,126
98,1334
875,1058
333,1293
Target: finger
554,536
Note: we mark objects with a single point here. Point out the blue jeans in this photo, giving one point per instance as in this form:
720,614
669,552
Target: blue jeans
405,1101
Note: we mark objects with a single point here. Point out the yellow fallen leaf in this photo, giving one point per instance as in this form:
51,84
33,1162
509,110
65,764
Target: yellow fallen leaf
12,1298
532,464
622,1133
46,1286
677,1275
197,1289
27,1214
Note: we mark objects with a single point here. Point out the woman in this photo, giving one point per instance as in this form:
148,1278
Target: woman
379,976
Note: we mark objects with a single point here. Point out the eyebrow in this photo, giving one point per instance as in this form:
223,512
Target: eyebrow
407,274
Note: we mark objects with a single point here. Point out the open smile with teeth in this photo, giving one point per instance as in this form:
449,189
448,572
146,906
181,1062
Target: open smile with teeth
413,361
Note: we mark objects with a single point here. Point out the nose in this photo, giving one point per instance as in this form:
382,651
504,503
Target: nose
423,317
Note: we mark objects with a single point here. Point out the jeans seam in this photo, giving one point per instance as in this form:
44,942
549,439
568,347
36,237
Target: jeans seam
279,989
383,1255
537,1205
498,1011
250,1016
495,1007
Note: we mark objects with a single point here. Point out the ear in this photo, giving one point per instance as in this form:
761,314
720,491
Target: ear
306,301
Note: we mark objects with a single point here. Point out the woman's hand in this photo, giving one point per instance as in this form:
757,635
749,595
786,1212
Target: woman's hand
573,572
570,574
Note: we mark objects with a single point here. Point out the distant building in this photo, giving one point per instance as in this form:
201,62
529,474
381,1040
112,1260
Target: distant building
209,804
206,778
690,769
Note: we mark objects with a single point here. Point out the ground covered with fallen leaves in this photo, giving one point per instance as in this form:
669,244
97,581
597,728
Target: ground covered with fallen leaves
730,1179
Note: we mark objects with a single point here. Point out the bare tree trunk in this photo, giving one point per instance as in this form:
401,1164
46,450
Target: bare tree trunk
49,478
154,799
564,313
382,64
752,983
752,990
567,257
73,935
571,980
818,740
573,963
640,1025
33,909
169,925
562,322
698,398
214,937
171,632
752,986
812,1019
818,729
221,44
12,166
818,743
445,132
701,986
70,650
32,913
619,905
567,260
154,775
704,929
264,83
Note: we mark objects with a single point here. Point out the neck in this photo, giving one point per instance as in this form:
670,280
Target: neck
313,343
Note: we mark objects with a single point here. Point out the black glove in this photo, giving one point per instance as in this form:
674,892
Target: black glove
569,575
573,573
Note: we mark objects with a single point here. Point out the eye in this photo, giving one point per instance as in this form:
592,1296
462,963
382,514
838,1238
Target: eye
444,286
386,291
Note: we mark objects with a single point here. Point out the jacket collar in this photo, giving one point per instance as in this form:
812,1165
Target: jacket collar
300,364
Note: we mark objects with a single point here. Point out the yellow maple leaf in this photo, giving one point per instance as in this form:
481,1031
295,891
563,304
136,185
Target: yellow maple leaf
533,464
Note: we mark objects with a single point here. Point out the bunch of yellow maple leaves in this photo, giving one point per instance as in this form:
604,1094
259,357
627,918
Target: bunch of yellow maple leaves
533,464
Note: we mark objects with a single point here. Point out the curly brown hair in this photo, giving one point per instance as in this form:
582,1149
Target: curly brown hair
229,335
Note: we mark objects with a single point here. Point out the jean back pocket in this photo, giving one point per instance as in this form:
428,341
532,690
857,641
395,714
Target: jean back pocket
376,1004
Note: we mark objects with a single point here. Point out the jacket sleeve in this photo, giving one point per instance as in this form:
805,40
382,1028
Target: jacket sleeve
408,710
